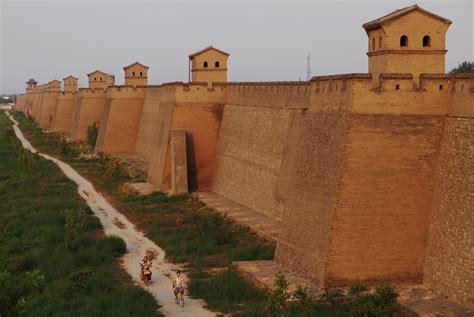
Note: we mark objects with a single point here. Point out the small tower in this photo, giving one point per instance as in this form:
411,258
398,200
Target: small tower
136,74
209,65
30,84
100,80
54,85
70,83
409,40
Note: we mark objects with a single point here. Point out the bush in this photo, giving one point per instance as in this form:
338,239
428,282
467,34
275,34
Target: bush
92,133
226,291
113,244
277,301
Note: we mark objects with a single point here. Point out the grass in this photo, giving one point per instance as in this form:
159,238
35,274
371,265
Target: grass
53,257
189,232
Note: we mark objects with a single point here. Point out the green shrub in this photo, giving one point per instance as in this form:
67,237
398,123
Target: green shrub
92,133
112,244
226,291
277,301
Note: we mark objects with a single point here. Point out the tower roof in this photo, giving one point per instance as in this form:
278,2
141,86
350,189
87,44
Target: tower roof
32,81
54,81
136,63
207,49
97,71
70,77
374,24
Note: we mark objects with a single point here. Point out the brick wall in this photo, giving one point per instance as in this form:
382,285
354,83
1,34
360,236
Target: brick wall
148,122
120,120
159,145
449,268
384,200
64,111
87,110
47,109
307,186
249,155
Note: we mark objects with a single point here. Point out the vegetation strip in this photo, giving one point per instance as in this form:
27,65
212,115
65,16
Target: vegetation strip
54,258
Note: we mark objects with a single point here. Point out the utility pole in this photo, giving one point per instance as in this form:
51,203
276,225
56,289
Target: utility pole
308,67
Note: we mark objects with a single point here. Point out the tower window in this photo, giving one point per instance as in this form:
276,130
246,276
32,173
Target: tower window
100,78
397,87
426,41
440,87
216,64
403,41
95,78
380,42
373,44
141,73
133,74
205,65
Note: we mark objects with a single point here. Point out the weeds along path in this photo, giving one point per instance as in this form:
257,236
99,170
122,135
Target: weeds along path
138,245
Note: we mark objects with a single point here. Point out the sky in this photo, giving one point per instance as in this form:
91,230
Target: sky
266,40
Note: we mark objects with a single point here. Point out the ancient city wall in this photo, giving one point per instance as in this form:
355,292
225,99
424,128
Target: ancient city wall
196,108
147,125
47,108
20,102
385,194
306,188
36,105
154,135
249,155
291,95
449,266
119,123
64,110
87,110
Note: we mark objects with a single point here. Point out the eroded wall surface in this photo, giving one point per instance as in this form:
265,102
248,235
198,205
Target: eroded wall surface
88,109
249,155
119,124
306,187
449,266
64,112
47,109
384,200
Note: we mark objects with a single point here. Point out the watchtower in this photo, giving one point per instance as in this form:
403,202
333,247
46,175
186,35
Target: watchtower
30,84
408,40
209,65
54,85
136,74
70,83
99,79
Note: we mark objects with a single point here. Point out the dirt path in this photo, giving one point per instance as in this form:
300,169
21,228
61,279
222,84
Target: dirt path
115,223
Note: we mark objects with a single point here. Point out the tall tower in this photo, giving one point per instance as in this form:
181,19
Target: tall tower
409,40
70,83
136,74
99,79
209,65
54,85
30,84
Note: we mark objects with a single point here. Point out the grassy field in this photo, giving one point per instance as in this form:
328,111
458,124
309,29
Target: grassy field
54,259
204,240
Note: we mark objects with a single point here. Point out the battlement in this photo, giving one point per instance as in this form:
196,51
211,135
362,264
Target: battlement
286,94
68,94
91,92
126,91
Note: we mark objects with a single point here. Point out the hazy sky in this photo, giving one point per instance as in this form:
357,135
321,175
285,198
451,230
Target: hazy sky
267,40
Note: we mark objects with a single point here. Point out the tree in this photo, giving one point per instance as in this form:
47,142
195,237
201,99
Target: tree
464,67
